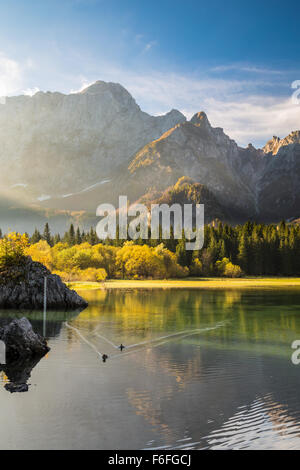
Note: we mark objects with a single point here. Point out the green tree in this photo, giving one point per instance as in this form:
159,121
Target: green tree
47,234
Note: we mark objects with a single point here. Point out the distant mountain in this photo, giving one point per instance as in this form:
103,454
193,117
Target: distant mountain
65,154
53,143
261,184
205,154
279,195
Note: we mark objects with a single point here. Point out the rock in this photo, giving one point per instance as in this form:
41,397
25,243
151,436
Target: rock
21,341
22,287
15,387
24,350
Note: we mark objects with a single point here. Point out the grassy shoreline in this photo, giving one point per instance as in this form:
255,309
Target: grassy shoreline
193,283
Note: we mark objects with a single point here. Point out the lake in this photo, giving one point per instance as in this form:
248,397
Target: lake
202,369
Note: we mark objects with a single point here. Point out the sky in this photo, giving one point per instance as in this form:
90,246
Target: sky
235,60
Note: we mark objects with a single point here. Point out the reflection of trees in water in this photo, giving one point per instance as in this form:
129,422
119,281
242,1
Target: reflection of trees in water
256,316
222,379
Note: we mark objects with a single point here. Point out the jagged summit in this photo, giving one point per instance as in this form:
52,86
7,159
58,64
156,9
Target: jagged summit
100,85
276,143
272,145
101,144
200,119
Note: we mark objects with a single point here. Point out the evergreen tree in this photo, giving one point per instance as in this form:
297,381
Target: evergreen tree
36,237
181,252
71,235
78,237
47,234
243,253
56,239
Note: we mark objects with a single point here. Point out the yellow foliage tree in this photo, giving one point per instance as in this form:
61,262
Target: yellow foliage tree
12,249
42,253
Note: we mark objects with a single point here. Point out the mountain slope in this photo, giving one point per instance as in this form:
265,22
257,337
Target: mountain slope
186,191
279,195
74,152
58,144
205,154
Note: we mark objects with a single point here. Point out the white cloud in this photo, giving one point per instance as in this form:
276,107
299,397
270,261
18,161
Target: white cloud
30,91
85,83
246,68
256,119
249,110
10,75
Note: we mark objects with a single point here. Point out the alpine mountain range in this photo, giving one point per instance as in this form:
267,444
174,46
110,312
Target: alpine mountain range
63,155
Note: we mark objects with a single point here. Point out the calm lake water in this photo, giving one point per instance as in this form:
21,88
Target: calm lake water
202,369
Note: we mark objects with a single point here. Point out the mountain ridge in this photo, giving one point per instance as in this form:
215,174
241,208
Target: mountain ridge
75,151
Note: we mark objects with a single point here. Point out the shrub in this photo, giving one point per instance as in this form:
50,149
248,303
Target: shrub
232,270
227,269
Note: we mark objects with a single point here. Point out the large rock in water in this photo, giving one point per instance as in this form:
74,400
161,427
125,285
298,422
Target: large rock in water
22,286
23,350
21,341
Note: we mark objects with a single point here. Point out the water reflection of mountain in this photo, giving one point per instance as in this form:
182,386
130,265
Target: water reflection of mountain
202,382
226,386
205,389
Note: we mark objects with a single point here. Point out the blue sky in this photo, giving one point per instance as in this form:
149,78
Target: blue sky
235,60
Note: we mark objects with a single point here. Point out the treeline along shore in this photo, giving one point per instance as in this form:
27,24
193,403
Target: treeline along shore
250,249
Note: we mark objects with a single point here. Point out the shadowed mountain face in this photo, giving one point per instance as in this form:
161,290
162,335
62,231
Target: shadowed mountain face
73,152
206,155
279,184
185,191
262,184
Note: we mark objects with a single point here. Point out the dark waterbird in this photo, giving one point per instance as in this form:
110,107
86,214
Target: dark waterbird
104,357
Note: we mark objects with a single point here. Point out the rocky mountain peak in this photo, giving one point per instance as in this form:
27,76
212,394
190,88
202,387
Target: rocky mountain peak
275,144
99,86
86,135
200,119
292,138
272,145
